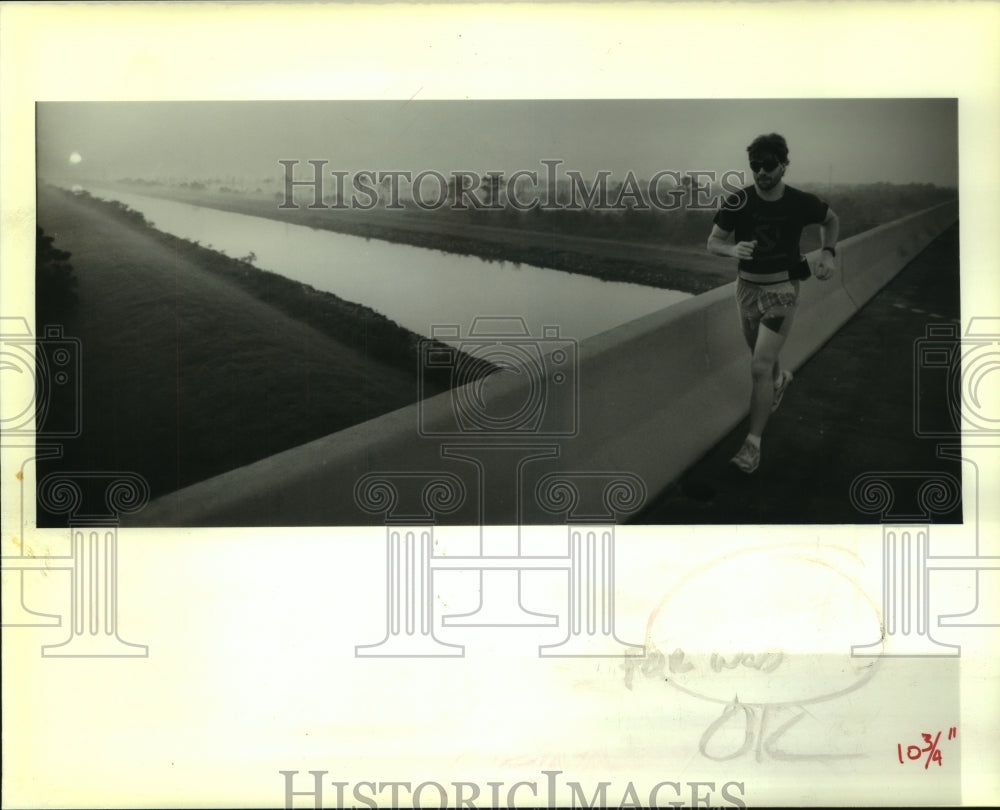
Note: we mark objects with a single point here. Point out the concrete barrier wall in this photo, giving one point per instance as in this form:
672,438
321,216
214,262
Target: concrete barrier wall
647,398
869,263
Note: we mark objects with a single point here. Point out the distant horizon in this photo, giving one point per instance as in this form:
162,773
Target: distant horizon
67,180
831,141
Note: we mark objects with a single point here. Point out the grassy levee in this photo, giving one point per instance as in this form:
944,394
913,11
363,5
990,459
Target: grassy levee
193,363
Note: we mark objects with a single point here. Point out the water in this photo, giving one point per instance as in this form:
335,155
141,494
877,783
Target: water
419,288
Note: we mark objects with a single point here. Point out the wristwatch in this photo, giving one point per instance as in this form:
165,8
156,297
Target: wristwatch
833,251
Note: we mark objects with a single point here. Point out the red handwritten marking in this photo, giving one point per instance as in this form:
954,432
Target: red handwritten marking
933,755
915,752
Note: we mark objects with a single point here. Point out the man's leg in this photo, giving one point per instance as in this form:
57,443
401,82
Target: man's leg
783,325
749,317
781,322
763,368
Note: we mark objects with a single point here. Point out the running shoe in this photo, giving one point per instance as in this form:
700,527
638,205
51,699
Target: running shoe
748,459
780,388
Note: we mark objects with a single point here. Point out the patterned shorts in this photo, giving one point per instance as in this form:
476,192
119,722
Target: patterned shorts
772,304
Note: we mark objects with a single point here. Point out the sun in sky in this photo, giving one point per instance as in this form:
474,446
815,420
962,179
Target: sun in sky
76,157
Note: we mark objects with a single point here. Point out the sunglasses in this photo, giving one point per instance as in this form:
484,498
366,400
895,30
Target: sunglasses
768,165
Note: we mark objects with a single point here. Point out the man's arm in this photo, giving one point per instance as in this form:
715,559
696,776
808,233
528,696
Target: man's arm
829,229
718,244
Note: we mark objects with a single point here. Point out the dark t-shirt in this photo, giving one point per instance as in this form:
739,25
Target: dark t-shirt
777,226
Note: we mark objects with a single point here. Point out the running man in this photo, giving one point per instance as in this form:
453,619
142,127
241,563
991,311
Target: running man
768,218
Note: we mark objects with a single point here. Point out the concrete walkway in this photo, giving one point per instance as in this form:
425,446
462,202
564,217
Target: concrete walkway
850,410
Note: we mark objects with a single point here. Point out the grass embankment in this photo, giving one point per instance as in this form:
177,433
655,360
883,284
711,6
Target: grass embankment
194,363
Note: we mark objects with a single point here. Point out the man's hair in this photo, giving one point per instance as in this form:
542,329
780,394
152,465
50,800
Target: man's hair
772,144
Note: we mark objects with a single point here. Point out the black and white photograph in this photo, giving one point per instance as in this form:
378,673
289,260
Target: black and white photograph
561,404
276,299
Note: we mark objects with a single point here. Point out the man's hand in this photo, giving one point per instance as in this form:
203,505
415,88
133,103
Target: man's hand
744,250
825,265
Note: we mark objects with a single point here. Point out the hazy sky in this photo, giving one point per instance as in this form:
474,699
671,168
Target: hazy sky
862,140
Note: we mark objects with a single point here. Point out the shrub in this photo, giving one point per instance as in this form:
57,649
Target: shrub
55,282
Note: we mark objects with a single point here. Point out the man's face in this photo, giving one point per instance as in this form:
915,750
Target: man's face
767,171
